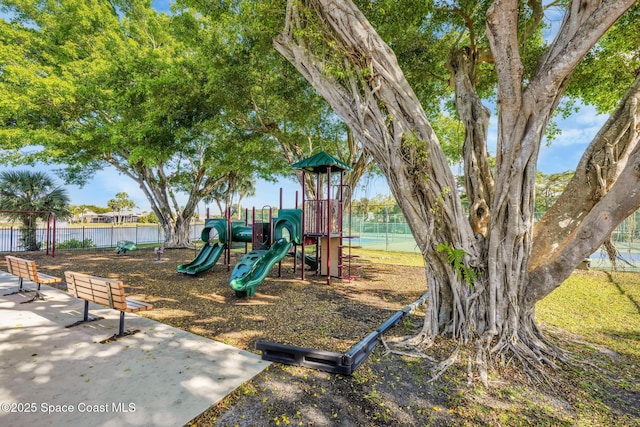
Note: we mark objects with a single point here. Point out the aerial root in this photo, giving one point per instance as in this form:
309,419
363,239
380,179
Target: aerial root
411,352
533,355
481,365
442,367
528,348
420,339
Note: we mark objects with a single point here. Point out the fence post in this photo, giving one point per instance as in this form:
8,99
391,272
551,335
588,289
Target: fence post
386,227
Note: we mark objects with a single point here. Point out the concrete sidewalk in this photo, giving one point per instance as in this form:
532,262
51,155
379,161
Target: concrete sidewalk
53,376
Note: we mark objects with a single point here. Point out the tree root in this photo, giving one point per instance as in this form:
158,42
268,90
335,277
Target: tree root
442,367
415,353
533,352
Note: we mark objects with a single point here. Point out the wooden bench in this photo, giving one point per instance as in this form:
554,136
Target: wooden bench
26,269
102,291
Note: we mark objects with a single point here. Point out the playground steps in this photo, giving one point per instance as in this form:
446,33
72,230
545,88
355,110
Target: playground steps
349,270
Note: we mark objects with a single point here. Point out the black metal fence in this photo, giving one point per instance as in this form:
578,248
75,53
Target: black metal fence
371,231
86,237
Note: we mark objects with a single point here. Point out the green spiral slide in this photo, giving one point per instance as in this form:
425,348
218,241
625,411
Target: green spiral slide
254,267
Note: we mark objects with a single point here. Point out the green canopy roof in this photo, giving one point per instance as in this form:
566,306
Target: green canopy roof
319,163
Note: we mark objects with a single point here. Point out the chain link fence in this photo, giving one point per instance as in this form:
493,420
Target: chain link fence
390,232
379,231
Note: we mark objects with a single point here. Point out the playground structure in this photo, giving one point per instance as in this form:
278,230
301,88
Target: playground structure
319,223
123,246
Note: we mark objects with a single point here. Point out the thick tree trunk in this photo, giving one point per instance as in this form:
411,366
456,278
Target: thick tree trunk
174,219
523,117
384,114
29,237
602,192
481,289
607,156
475,116
176,234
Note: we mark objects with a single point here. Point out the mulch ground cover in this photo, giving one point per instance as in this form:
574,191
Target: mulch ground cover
386,390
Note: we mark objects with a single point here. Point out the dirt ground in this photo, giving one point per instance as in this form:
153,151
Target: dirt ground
386,390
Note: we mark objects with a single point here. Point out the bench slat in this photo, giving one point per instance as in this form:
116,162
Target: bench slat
26,269
44,279
97,289
94,298
135,305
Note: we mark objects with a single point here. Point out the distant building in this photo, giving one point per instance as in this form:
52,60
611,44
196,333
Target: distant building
110,217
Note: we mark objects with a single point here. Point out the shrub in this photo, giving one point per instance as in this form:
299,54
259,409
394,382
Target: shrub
76,244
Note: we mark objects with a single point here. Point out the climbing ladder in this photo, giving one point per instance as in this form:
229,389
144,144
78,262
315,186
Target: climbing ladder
348,268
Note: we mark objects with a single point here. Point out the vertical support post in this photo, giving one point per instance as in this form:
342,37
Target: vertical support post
229,238
121,328
318,204
270,226
254,230
295,250
53,239
291,237
328,225
340,197
246,224
303,223
48,233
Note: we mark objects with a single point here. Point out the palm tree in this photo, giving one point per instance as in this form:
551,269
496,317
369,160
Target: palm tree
31,196
219,195
244,187
227,190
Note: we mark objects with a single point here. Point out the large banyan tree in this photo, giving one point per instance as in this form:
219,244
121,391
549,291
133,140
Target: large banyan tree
486,267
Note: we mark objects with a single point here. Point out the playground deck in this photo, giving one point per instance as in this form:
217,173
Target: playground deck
54,376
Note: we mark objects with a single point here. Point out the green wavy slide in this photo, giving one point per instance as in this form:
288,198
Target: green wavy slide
254,267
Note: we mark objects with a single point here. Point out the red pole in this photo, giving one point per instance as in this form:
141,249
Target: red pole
328,225
254,231
229,238
53,243
318,208
303,223
295,251
48,233
340,224
271,230
246,224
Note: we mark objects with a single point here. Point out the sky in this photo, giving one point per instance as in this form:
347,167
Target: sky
561,155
